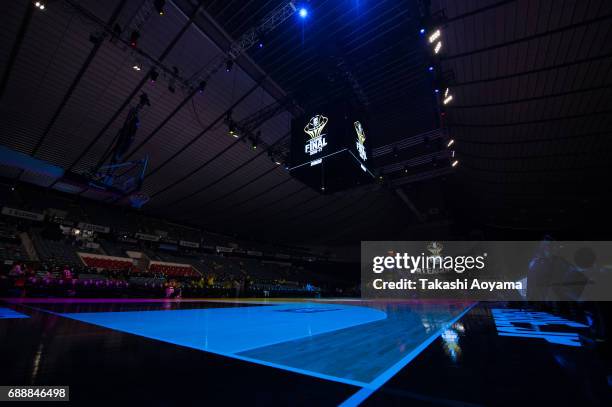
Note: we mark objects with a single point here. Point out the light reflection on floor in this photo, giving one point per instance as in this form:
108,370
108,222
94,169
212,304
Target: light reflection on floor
360,344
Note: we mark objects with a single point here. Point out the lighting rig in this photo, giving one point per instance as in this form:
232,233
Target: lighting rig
246,129
254,36
432,30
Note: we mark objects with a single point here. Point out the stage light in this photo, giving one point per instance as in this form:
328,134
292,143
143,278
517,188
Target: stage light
434,36
277,162
232,130
41,5
437,90
438,47
303,12
450,142
136,67
229,64
134,36
256,140
430,69
422,31
159,6
447,97
455,163
153,75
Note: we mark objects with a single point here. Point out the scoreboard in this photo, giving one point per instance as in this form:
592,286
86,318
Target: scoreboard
330,148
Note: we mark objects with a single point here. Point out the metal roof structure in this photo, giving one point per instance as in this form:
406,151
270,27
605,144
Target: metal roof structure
531,116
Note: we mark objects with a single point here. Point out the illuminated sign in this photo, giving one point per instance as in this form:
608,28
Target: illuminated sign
314,129
530,324
360,140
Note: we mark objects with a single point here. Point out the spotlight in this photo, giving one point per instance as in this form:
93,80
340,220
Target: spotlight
430,69
153,75
447,97
422,31
136,67
434,36
159,6
41,5
231,126
303,12
438,47
261,38
134,36
256,139
450,142
277,162
455,163
229,64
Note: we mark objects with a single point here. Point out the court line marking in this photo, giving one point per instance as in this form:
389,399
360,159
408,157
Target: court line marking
224,354
366,388
377,383
9,313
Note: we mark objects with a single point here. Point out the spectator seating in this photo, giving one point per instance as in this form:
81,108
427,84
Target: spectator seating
58,251
173,270
108,263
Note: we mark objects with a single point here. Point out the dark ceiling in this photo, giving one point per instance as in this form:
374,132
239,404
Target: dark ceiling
531,114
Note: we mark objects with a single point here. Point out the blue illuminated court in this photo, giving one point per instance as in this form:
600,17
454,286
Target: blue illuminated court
274,352
360,343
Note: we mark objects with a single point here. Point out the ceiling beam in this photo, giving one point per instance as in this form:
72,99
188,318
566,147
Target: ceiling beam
77,79
23,28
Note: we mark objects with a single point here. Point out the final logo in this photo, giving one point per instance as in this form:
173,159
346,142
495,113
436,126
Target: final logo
360,140
435,248
314,129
